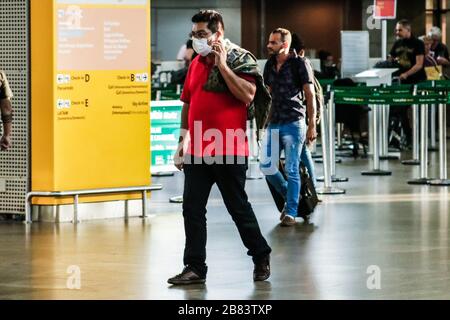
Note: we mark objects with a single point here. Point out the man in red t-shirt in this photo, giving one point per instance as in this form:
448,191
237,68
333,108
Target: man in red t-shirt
217,150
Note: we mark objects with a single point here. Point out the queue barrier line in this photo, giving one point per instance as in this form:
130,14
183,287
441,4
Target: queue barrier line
431,94
392,100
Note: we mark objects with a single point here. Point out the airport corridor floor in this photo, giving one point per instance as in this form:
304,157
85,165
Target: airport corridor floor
383,239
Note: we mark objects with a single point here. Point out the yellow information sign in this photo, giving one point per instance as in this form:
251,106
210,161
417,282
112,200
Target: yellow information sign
90,95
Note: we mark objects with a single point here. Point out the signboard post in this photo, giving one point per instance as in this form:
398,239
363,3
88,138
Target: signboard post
384,10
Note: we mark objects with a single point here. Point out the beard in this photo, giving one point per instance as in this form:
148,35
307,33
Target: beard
274,52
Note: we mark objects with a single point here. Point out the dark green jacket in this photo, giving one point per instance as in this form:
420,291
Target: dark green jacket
243,62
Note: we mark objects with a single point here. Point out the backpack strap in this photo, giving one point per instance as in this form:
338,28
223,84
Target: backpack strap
294,69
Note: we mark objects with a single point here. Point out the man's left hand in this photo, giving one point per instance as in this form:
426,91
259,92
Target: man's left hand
442,61
5,143
403,76
220,53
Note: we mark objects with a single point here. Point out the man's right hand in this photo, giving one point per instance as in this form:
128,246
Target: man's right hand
178,158
5,143
311,134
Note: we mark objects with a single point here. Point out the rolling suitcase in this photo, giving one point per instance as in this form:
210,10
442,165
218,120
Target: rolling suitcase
308,195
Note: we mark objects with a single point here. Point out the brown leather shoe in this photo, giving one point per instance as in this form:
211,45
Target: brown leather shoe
262,270
188,276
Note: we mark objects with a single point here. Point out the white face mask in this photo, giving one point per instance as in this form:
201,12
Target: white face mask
201,46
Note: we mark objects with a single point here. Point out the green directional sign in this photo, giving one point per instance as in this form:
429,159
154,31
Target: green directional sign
165,131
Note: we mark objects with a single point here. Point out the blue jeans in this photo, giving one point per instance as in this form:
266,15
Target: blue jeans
289,137
307,160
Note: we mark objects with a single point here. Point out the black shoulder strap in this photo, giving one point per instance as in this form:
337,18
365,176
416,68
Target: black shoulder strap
294,69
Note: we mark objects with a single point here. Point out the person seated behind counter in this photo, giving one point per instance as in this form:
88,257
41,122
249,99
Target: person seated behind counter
328,68
179,76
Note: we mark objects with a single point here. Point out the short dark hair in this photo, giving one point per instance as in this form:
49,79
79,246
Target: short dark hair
297,43
284,33
323,54
405,23
212,17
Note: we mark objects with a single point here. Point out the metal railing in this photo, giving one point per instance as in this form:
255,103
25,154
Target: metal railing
77,193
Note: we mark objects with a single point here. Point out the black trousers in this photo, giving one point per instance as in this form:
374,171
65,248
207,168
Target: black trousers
230,179
404,114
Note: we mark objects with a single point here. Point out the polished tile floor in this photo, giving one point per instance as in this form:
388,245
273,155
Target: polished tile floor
383,239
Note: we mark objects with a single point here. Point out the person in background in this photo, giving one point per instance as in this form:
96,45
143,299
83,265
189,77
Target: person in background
153,68
432,67
328,68
305,158
438,49
179,76
409,53
291,85
181,52
6,112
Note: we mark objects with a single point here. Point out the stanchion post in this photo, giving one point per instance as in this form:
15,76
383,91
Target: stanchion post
375,140
415,143
253,168
75,209
443,180
331,113
432,124
433,146
339,128
416,133
370,115
144,204
327,188
383,141
423,147
332,138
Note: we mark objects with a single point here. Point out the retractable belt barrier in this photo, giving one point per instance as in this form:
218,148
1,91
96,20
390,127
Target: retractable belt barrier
389,99
420,96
